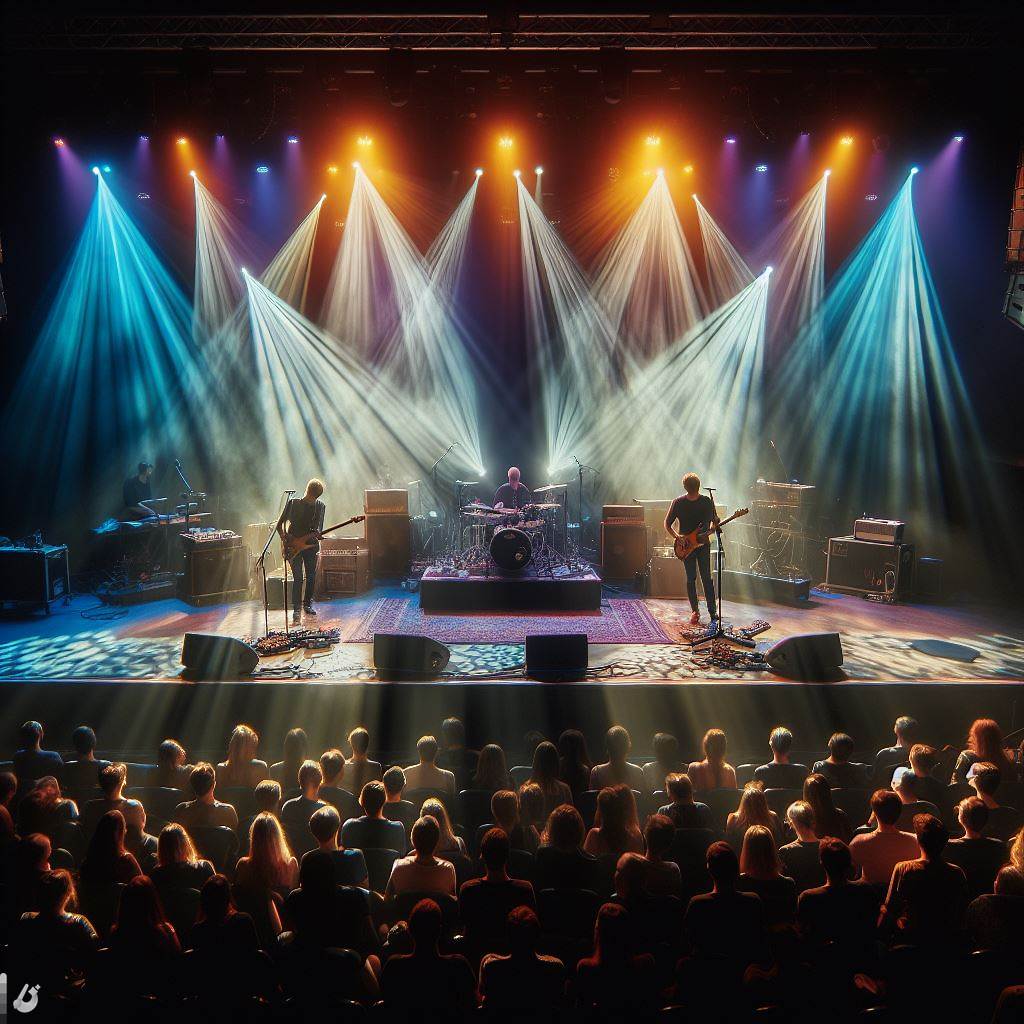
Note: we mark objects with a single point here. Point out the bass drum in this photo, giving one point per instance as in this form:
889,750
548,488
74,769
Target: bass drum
511,549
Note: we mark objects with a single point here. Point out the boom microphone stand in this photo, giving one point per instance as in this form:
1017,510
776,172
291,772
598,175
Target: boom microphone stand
262,563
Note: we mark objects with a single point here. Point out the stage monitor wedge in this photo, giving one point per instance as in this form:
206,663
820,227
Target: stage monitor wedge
208,656
808,657
401,656
562,657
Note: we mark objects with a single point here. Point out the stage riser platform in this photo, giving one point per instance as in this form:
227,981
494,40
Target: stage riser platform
508,594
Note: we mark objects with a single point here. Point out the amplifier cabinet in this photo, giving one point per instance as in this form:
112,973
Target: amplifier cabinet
881,531
216,575
622,513
35,576
254,536
623,548
393,502
387,538
343,573
668,575
861,566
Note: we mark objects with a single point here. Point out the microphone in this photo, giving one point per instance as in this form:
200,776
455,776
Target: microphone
467,483
289,490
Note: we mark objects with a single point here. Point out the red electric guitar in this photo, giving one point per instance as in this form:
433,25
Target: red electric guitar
291,546
689,542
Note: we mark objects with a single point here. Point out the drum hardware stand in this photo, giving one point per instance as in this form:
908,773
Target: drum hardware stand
718,631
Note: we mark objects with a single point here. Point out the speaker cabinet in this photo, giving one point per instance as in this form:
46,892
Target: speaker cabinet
623,548
866,567
207,656
399,656
387,537
215,574
564,657
809,657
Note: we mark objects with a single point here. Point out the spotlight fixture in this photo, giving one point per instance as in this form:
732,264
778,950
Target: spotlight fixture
245,273
182,141
506,142
355,165
958,138
913,170
661,172
761,168
293,140
538,171
58,142
332,168
143,196
693,196
323,197
653,140
805,135
846,140
479,171
219,137
828,171
768,271
516,173
191,174
688,169
95,170
262,169
143,138
872,197
730,140
364,141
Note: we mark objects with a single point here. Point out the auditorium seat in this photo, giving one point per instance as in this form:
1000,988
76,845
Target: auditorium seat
218,844
855,802
242,798
745,774
722,803
344,802
520,774
159,801
780,799
474,811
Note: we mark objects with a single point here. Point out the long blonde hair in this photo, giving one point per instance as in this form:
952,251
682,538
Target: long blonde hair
269,854
242,746
759,857
1017,850
174,846
437,810
753,809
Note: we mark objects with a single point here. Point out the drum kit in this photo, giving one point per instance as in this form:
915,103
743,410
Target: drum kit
513,538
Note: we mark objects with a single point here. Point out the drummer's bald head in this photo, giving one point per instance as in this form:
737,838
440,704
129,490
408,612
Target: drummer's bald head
513,474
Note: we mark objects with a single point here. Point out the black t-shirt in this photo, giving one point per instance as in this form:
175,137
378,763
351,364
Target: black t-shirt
302,517
781,776
484,908
136,491
695,815
801,861
726,926
840,913
513,497
980,859
692,515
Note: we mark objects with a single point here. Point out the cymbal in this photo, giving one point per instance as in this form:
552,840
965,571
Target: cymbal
477,506
546,506
548,487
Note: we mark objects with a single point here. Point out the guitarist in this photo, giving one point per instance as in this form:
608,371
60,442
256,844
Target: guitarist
693,511
302,516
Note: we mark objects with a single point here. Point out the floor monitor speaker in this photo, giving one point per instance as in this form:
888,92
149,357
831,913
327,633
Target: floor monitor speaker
209,656
399,656
809,657
565,656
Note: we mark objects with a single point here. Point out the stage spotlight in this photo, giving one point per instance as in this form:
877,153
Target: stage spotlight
191,174
355,165
182,141
106,168
58,142
661,172
871,197
143,138
730,140
219,137
143,196
293,140
846,140
958,138
761,168
688,169
653,140
479,171
538,171
693,196
828,171
332,168
506,142
364,141
262,169
95,170
516,173
913,170
245,273
323,197
805,135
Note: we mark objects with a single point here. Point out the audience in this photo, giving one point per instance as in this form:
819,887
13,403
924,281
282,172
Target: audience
574,762
979,855
359,769
295,751
532,808
448,844
298,810
904,785
666,762
995,920
143,941
561,862
269,865
801,857
139,843
898,756
491,773
204,810
780,772
178,864
761,874
454,755
111,779
267,797
222,932
985,779
505,815
31,762
525,981
662,877
840,771
426,774
614,980
714,772
8,787
106,859
616,829
421,871
349,864
373,831
753,810
171,770
83,771
44,810
923,761
878,852
684,811
617,769
396,808
984,743
241,767
544,775
829,820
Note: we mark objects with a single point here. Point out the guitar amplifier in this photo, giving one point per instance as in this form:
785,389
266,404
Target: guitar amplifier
623,547
380,502
37,576
341,573
388,540
668,575
214,575
254,536
341,545
863,567
881,531
622,513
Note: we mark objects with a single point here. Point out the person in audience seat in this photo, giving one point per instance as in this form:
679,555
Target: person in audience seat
454,755
359,769
83,772
449,844
888,759
981,856
269,866
753,810
111,779
171,770
985,779
525,981
800,858
223,936
204,810
714,772
422,871
840,771
544,774
491,773
613,980
267,797
241,767
923,760
298,810
139,843
143,942
877,853
574,762
995,920
561,860
761,873
485,903
349,865
984,743
179,866
616,829
663,878
840,911
373,831
396,807
904,785
426,774
684,811
780,772
8,787
44,810
927,897
427,981
666,762
617,769
829,820
295,751
31,762
29,860
505,815
106,860
532,817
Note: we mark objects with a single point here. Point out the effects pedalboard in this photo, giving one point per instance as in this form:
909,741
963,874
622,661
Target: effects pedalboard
280,642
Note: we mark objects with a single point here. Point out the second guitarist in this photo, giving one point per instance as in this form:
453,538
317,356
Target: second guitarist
693,510
302,516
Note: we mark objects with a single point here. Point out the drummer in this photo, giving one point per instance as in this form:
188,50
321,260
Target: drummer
515,494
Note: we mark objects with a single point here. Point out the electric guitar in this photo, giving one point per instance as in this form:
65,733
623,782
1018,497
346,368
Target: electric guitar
689,542
292,546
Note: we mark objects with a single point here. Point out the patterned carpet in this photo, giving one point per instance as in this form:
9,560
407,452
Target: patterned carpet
620,621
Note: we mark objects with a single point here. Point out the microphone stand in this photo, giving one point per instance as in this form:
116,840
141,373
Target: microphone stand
262,563
433,484
718,630
579,468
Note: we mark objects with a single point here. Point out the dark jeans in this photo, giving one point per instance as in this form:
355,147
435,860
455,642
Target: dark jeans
700,559
304,560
